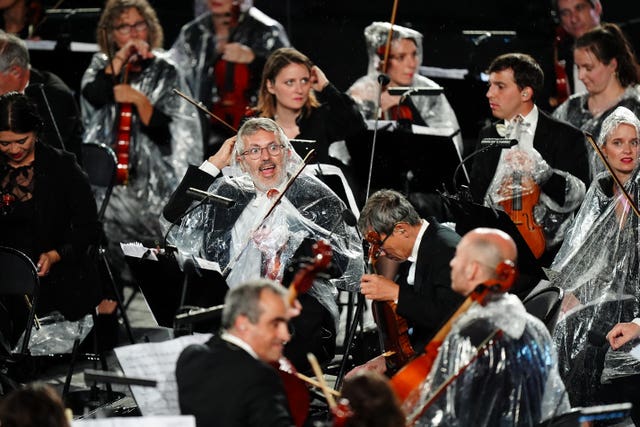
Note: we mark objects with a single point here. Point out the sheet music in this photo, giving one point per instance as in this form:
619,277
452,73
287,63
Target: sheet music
51,45
161,421
138,250
156,361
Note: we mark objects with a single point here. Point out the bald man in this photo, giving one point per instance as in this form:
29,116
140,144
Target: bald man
485,347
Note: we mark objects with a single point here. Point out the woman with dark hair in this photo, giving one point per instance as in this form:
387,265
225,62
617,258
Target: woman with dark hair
48,211
608,68
298,96
163,135
372,401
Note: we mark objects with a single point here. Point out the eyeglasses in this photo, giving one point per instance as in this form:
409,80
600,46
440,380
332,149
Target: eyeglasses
254,153
125,29
17,141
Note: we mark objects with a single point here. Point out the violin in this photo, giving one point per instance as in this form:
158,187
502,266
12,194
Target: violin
521,197
409,378
232,81
123,129
297,392
393,330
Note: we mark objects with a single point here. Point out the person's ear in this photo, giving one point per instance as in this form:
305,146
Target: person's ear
270,87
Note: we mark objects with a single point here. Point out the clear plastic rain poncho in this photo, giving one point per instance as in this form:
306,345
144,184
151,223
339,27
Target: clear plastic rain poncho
575,110
434,110
598,267
520,173
247,248
511,381
153,172
195,47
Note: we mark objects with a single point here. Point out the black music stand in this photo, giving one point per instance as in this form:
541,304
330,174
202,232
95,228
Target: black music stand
167,289
468,215
404,161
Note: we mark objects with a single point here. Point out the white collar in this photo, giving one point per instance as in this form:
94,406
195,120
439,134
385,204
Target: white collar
416,244
233,339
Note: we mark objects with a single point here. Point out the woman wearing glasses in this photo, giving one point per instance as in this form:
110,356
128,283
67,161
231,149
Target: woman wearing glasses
163,135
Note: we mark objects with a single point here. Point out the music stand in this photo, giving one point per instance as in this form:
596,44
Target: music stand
469,215
406,161
163,285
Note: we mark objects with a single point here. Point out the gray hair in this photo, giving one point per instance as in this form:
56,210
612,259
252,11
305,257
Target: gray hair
13,51
244,300
619,116
253,126
384,209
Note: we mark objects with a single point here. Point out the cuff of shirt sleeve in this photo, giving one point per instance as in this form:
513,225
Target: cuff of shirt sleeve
209,168
636,321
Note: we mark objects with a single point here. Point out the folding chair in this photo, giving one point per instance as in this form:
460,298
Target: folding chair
545,305
100,163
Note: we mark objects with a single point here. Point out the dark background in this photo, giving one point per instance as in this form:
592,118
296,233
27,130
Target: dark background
330,33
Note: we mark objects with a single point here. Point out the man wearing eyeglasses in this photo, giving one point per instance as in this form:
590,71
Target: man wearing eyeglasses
423,290
270,225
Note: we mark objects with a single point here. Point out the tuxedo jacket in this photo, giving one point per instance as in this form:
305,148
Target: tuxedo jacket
561,145
430,301
224,386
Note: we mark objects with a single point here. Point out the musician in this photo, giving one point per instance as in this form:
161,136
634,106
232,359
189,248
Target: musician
164,134
598,267
16,74
405,56
299,97
549,152
576,18
248,246
18,17
608,68
228,381
232,31
516,371
48,212
35,404
423,290
371,401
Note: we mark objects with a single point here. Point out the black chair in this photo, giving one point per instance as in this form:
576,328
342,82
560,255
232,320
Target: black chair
20,278
545,305
100,163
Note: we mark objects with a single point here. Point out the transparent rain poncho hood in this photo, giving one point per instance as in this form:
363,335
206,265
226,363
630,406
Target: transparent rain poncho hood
513,381
435,110
575,110
520,173
134,208
598,267
238,240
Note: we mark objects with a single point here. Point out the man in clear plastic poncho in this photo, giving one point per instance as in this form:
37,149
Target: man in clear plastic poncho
598,269
165,131
511,380
248,245
548,168
405,57
236,33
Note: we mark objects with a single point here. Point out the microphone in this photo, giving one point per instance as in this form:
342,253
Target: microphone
210,197
498,142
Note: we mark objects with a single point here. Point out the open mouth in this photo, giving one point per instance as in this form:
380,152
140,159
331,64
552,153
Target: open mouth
267,169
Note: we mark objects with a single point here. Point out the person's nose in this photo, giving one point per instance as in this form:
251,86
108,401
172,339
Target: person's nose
264,153
283,332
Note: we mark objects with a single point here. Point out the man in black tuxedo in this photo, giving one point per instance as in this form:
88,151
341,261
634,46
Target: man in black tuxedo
16,74
247,245
423,291
550,152
227,381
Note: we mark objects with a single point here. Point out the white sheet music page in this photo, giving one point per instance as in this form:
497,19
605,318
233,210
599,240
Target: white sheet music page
159,421
138,250
156,361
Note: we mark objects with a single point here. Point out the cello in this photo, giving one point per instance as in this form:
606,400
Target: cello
297,392
393,330
232,80
408,379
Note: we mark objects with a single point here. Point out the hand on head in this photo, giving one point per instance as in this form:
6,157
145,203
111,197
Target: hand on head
224,155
